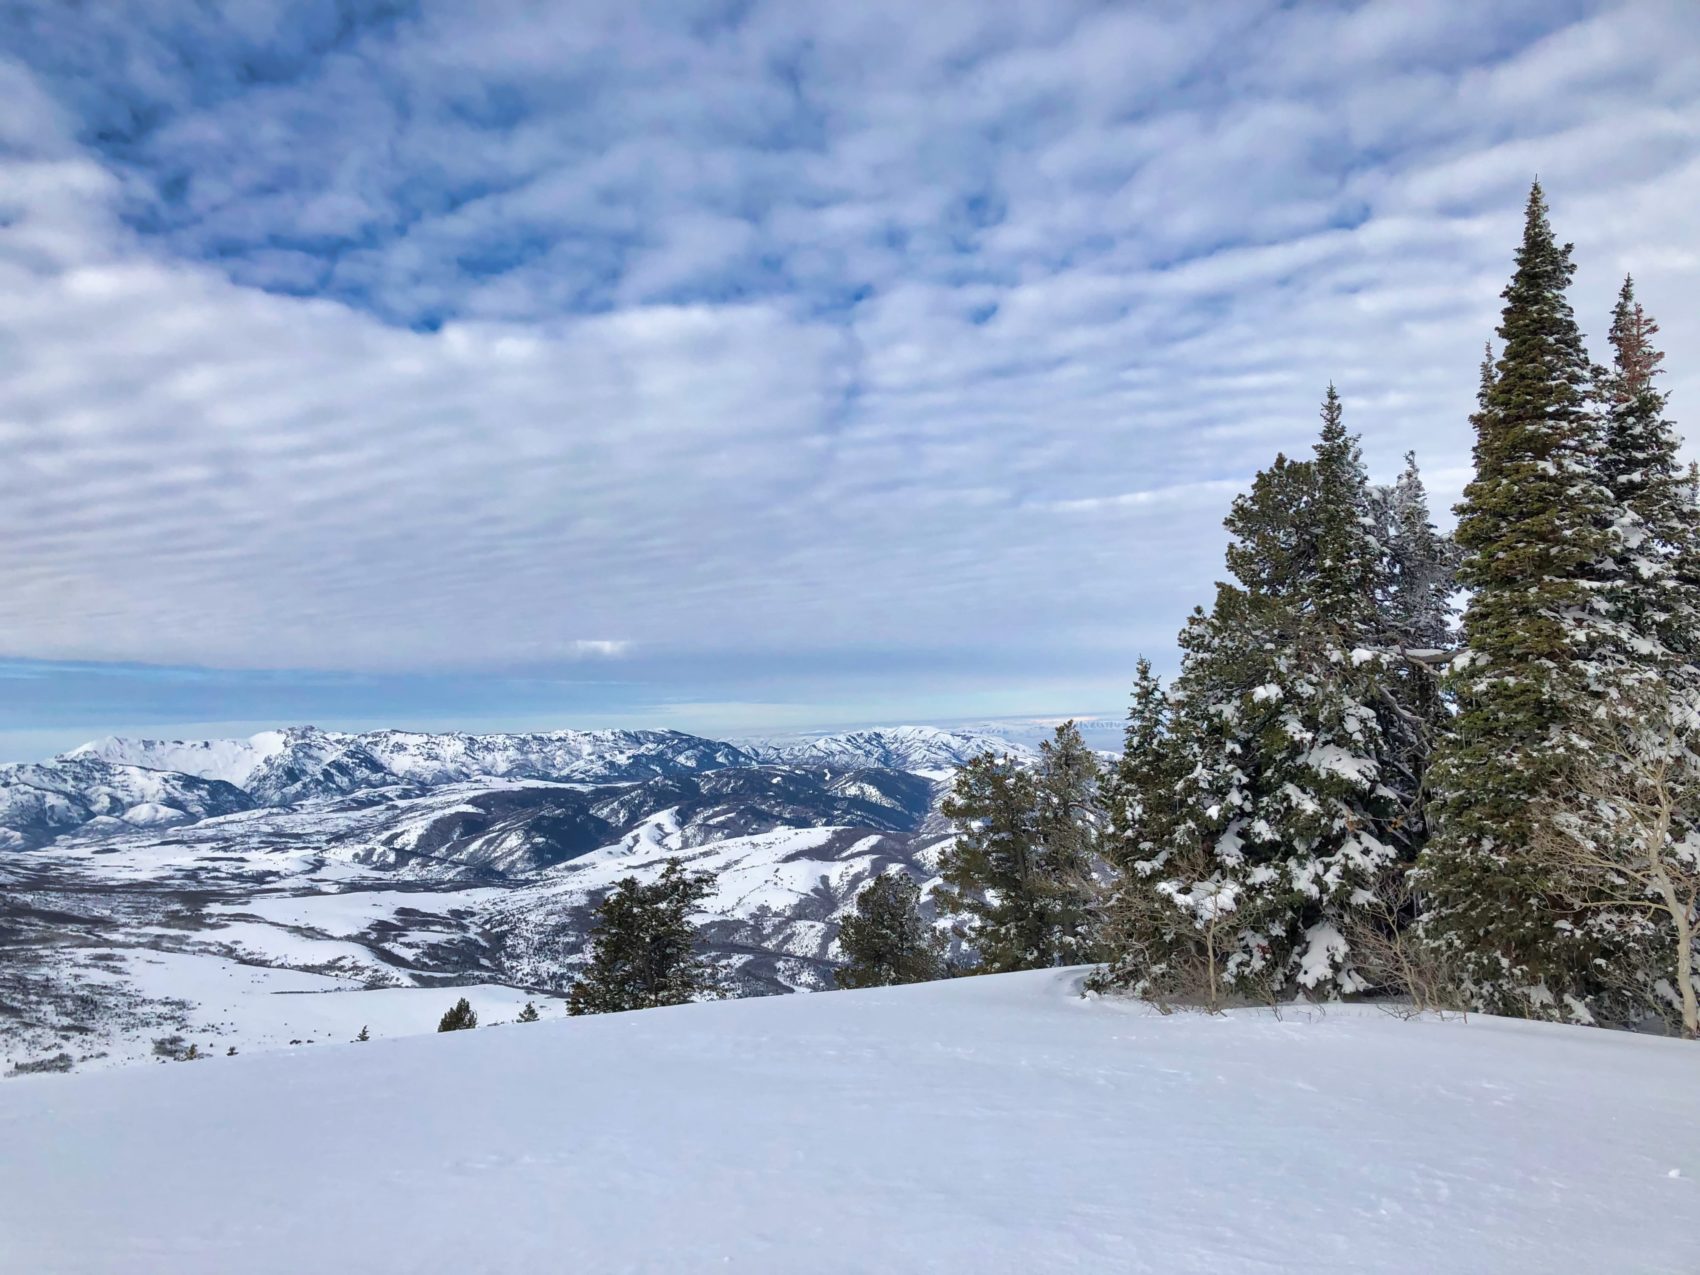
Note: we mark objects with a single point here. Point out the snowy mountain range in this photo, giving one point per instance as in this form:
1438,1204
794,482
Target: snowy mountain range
300,763
40,801
160,889
913,748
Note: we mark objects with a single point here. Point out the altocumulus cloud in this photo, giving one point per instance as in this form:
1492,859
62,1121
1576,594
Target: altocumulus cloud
453,336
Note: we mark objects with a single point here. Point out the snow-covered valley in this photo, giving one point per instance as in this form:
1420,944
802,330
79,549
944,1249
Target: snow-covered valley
160,909
994,1124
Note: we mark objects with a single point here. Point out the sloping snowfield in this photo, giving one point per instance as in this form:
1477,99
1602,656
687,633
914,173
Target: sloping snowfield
985,1125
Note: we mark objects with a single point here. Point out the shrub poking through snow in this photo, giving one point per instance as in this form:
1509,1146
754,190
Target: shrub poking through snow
461,1018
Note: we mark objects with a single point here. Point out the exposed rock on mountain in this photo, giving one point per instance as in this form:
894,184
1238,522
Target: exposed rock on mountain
40,801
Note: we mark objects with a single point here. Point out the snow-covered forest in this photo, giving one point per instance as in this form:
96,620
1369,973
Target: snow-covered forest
1459,771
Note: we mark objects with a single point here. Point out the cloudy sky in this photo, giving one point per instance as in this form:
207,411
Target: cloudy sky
744,366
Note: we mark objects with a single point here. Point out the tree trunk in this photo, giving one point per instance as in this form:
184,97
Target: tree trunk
1685,974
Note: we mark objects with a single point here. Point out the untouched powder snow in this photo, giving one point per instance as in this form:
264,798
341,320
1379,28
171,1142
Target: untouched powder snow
997,1124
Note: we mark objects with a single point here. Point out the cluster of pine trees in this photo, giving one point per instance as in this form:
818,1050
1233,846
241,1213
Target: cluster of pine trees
1350,788
1343,791
1024,877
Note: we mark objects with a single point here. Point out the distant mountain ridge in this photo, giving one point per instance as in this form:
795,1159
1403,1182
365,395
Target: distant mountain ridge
42,800
912,748
300,763
144,900
141,783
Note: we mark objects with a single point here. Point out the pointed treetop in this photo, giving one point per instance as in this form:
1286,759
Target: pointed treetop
1544,268
1145,714
1337,451
1537,229
1632,333
1333,428
1487,372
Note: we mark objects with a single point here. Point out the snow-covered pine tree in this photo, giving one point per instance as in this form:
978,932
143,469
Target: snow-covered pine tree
1286,809
1139,800
1419,565
1070,821
1348,560
1535,530
886,940
990,870
1023,868
1139,791
644,946
528,1015
1419,576
1655,594
1635,869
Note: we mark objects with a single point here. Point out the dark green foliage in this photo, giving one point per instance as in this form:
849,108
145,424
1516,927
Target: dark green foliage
460,1018
886,940
1022,867
231,1052
1139,793
1535,530
1070,821
989,870
644,946
529,1014
1655,593
1348,565
366,1035
1254,814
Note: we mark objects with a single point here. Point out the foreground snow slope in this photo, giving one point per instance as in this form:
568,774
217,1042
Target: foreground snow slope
991,1124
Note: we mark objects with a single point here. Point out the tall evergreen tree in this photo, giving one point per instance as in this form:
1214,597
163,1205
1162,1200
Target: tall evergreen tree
644,947
1139,791
886,940
1414,605
1287,805
990,871
1535,530
1656,593
1069,820
1022,868
1633,868
1143,932
1348,562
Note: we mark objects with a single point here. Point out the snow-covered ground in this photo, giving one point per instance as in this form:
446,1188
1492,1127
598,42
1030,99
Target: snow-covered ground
986,1125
